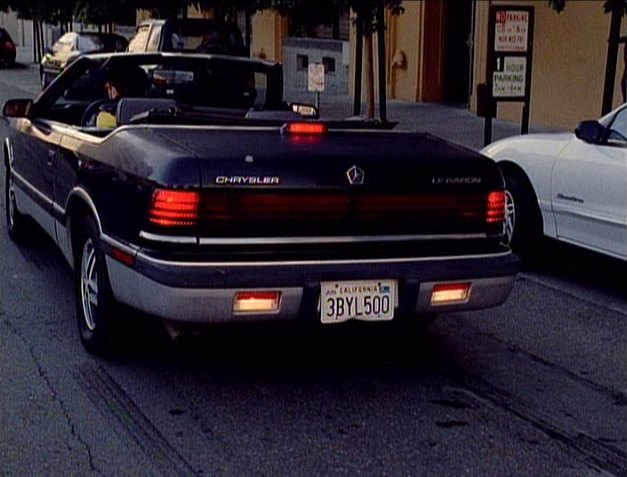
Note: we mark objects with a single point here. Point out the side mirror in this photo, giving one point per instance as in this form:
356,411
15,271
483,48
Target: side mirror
17,108
306,110
590,131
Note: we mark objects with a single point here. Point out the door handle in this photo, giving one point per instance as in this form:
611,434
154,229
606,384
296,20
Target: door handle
51,158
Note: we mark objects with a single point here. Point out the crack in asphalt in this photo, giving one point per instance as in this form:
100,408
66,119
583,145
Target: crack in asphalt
619,397
591,451
120,410
43,374
597,452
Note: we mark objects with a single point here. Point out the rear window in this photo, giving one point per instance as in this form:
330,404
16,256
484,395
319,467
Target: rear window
210,85
204,37
4,35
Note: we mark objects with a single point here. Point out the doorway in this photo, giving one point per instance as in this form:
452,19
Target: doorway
458,51
447,51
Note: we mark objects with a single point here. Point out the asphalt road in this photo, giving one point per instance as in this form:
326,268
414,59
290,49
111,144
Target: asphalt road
536,387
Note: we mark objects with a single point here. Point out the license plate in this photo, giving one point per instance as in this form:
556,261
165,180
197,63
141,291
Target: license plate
368,300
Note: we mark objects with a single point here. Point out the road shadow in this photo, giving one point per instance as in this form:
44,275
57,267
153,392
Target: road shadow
292,352
580,266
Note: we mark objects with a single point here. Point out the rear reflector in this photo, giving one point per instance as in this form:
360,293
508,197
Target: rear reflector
256,301
125,258
304,128
449,293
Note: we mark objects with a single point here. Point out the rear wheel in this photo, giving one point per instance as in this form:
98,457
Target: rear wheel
97,311
522,229
17,223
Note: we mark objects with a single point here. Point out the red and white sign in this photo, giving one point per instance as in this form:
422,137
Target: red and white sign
512,31
316,76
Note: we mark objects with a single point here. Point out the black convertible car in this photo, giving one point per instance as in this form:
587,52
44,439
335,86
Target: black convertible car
213,201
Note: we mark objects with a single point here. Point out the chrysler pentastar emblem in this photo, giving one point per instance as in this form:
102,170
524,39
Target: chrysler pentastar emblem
355,175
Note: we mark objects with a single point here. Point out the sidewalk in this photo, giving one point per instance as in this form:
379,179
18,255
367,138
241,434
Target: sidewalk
456,124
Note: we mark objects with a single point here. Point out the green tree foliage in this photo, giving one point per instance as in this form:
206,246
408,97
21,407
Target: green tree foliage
320,12
231,7
104,13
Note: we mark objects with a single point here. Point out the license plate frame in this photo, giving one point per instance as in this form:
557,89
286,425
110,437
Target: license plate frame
364,300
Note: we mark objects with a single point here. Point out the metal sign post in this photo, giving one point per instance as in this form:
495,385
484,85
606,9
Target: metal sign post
510,53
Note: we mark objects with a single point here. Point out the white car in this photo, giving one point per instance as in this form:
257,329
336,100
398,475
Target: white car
567,186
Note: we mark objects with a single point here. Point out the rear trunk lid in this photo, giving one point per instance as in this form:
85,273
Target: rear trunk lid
343,183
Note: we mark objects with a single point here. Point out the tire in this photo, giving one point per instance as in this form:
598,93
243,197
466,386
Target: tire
97,312
522,230
17,223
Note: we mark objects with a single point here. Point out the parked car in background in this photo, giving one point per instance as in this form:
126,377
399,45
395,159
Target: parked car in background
199,35
72,44
8,50
567,186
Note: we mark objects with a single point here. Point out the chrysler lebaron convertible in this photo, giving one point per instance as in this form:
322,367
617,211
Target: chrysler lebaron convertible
213,200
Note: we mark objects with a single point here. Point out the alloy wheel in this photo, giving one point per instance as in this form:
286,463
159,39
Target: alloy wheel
510,218
89,284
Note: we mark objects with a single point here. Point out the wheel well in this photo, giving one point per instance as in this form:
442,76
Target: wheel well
510,168
514,170
77,210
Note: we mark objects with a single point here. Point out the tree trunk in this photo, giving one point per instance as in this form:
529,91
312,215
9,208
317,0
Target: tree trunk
382,70
359,66
369,71
35,42
610,66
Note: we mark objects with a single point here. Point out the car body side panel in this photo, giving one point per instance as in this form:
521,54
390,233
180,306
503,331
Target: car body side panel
34,149
590,196
118,172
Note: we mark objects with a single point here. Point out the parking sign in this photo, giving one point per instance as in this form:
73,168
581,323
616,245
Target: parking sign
316,76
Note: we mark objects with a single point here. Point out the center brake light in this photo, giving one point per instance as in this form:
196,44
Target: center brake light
312,128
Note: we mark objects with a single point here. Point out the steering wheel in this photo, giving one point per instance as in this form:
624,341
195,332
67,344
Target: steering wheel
91,112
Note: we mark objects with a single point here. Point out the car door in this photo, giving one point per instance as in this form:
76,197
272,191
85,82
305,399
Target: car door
34,150
589,191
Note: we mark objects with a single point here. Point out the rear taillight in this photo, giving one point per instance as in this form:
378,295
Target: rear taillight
495,212
9,46
171,208
175,208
